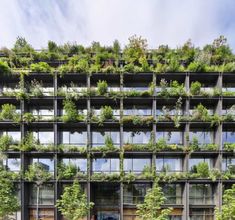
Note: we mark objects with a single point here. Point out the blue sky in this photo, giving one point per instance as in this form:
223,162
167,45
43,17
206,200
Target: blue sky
160,21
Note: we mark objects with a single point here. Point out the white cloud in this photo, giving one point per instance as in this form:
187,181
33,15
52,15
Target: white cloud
160,21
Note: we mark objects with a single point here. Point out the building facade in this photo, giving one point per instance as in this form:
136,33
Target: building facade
157,126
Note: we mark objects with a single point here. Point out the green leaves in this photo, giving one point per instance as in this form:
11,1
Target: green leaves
73,202
152,206
8,200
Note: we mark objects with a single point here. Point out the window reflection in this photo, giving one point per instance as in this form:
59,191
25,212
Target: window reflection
172,137
46,194
203,137
44,137
106,165
193,162
12,164
98,138
136,165
136,137
228,164
47,163
168,164
80,163
74,138
228,136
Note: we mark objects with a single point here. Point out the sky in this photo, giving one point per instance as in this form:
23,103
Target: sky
170,22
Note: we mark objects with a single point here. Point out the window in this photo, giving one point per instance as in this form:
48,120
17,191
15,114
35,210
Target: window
47,163
203,137
13,164
80,163
74,138
138,111
172,137
16,135
106,194
136,137
106,165
43,114
44,137
193,162
168,110
201,214
46,194
200,194
134,193
98,138
173,193
168,164
228,136
136,165
228,164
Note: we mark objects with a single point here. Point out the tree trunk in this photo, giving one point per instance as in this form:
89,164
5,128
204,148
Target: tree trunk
37,209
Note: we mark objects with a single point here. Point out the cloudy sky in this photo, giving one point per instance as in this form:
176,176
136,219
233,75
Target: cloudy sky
83,21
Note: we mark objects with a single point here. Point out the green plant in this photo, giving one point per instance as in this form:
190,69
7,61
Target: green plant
28,142
5,142
200,113
227,211
229,146
36,88
66,171
201,170
196,67
4,69
8,200
73,202
41,67
28,117
106,113
8,112
71,112
102,87
195,88
152,205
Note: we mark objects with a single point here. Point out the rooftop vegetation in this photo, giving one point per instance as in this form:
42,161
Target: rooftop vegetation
135,56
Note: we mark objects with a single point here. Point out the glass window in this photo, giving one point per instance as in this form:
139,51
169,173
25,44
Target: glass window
134,193
46,194
193,162
228,164
168,164
74,138
98,138
201,214
139,111
44,137
172,137
16,135
136,165
201,194
80,163
47,163
173,193
203,137
106,165
136,138
13,164
228,136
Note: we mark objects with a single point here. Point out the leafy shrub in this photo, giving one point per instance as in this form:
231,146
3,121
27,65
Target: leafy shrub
8,112
5,142
36,88
4,68
195,88
41,67
28,142
71,112
102,87
82,66
203,169
196,67
66,171
28,117
106,113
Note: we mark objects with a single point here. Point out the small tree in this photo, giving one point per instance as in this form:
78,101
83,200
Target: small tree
228,208
8,201
151,208
73,202
39,175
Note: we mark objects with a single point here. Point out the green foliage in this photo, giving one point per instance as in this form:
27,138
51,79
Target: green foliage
195,88
172,89
152,206
8,113
200,113
229,147
106,113
28,117
41,67
36,89
201,170
8,200
37,173
5,142
196,67
4,68
71,112
73,202
66,171
28,142
228,208
102,87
